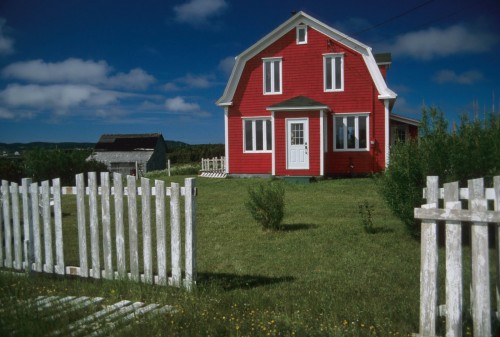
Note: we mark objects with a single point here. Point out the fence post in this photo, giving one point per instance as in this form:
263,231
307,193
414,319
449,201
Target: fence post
28,223
82,232
453,264
175,227
94,226
429,264
132,229
190,218
481,311
496,186
47,228
146,230
60,267
6,221
161,244
16,226
37,241
120,233
106,226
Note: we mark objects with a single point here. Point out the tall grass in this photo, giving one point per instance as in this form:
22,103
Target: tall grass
322,275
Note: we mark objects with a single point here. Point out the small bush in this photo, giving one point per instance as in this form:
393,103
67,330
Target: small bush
366,214
267,204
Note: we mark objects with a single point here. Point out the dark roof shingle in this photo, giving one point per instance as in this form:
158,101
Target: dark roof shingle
128,142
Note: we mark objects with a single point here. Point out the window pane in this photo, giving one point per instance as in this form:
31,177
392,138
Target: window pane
351,133
259,135
339,133
328,73
302,34
267,75
269,138
248,136
277,84
362,132
338,73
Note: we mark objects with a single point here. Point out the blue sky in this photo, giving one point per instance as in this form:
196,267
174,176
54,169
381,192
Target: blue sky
75,69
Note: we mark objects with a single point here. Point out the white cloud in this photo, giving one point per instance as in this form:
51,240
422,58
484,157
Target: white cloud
226,65
441,42
69,71
449,76
178,104
197,12
190,81
134,79
58,97
6,114
6,43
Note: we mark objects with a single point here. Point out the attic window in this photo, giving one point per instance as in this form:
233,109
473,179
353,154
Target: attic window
301,34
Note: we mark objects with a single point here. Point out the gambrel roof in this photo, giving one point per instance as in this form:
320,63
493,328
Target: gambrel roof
303,18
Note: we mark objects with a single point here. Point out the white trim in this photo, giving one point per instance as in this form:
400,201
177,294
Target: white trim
226,137
387,132
298,108
273,144
351,114
284,28
271,61
300,27
332,57
321,144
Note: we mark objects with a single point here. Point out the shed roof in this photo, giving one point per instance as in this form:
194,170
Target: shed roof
383,58
122,156
128,142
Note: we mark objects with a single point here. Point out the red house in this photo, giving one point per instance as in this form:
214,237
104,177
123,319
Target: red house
308,100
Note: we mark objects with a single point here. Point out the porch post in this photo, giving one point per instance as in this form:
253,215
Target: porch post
226,136
387,128
273,172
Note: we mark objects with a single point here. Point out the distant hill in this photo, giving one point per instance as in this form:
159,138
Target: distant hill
11,148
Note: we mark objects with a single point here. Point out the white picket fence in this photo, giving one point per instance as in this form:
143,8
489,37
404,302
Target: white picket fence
213,167
21,246
483,208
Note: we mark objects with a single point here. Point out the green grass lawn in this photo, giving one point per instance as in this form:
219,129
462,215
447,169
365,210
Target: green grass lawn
323,275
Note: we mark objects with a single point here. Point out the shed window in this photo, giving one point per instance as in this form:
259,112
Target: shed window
257,135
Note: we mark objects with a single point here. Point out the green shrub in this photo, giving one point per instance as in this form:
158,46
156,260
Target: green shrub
266,203
365,210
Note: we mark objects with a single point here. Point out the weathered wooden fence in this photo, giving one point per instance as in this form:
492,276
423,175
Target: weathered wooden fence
21,246
213,167
483,208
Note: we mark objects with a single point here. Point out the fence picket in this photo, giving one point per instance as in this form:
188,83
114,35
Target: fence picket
7,224
106,226
161,252
47,228
175,227
496,207
429,258
27,223
190,219
4,230
146,230
94,226
132,229
82,232
120,235
453,288
56,186
16,226
480,262
37,241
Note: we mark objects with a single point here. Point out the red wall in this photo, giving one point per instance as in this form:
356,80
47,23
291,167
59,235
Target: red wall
303,76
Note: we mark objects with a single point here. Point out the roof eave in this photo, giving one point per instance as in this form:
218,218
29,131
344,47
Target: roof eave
299,108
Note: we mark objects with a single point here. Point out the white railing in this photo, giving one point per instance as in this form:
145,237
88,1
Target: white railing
483,208
213,167
21,247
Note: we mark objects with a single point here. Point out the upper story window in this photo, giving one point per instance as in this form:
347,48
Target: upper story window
258,135
272,75
351,132
301,34
333,65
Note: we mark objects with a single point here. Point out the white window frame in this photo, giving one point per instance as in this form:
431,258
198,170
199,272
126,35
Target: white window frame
272,61
332,57
254,120
299,28
356,116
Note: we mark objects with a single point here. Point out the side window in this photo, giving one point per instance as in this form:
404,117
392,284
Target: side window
257,135
301,34
333,68
351,133
272,76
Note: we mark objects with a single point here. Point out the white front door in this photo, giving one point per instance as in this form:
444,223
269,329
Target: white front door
297,143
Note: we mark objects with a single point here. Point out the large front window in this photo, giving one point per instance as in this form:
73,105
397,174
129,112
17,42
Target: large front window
258,135
272,76
333,65
351,132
